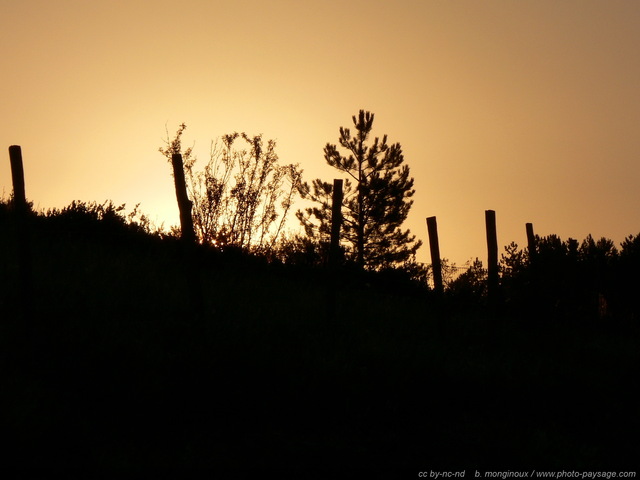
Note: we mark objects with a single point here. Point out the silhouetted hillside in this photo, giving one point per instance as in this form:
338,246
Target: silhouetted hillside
110,366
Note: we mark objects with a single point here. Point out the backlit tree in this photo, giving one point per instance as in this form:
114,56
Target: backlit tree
377,199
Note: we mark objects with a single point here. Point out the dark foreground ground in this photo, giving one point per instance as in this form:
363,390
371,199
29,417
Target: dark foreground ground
107,367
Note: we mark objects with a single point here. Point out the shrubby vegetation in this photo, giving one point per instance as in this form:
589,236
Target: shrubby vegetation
112,368
562,279
569,279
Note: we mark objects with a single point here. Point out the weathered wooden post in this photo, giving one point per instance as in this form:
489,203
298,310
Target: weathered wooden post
434,247
492,255
531,242
336,222
192,269
184,204
534,275
17,177
21,213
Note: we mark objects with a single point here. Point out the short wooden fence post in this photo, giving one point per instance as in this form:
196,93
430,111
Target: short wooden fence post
531,242
17,177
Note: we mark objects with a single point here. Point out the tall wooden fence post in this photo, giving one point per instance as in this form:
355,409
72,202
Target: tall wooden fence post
492,255
184,204
21,212
192,269
434,247
336,222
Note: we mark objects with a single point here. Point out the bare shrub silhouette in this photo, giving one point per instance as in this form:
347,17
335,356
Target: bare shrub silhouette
242,196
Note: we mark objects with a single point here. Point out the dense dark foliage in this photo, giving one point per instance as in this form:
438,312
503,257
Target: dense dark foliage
568,280
111,367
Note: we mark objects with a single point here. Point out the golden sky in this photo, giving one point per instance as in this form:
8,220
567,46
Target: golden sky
529,108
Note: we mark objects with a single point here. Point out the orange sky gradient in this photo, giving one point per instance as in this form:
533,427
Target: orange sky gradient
529,108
